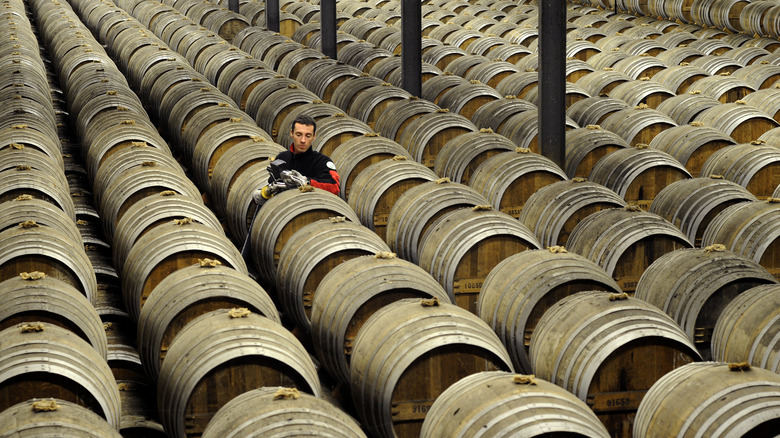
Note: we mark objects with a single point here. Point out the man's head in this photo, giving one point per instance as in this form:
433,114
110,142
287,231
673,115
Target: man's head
303,132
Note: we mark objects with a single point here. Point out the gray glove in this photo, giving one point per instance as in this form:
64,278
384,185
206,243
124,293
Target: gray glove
262,194
293,178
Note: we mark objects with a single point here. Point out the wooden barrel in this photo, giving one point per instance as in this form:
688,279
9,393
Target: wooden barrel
153,211
30,138
34,297
162,84
134,184
166,249
351,292
426,135
207,121
136,156
392,122
231,72
491,73
716,65
518,84
375,191
126,134
398,372
212,146
355,155
523,129
502,404
312,252
441,56
522,287
346,93
22,179
462,246
323,79
279,411
367,106
706,280
637,174
337,129
241,87
679,56
232,165
753,166
221,355
586,146
282,216
462,155
466,98
182,112
767,100
434,89
30,247
45,360
187,294
277,105
572,94
745,54
679,78
746,329
602,82
759,76
624,242
691,144
23,209
554,210
508,179
493,114
642,91
52,416
417,208
608,349
711,388
750,230
261,91
726,89
685,108
691,204
593,110
637,125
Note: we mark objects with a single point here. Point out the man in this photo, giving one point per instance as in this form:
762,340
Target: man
303,166
306,166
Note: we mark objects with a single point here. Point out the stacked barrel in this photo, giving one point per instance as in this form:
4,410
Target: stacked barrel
455,254
56,357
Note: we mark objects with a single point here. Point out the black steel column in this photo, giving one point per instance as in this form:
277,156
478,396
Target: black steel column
411,47
233,6
552,80
272,15
328,27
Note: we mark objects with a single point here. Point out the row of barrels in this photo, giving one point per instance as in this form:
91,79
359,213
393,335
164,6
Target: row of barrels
157,223
633,91
428,159
759,18
54,342
584,153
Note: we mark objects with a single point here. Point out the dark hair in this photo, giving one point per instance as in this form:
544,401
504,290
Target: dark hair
304,120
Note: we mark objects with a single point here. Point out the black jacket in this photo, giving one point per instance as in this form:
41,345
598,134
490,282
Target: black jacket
316,166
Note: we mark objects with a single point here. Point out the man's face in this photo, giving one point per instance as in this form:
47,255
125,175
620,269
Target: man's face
302,136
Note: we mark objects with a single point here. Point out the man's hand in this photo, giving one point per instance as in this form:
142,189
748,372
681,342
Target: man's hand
293,178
